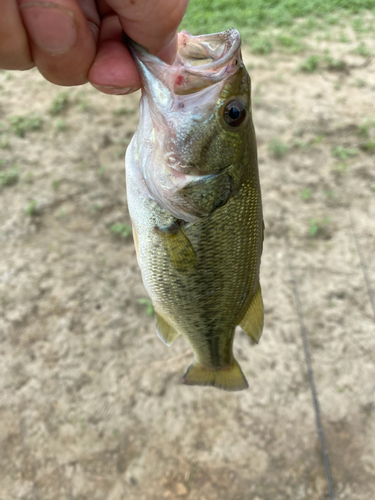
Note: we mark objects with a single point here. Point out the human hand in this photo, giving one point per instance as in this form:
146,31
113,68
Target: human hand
75,41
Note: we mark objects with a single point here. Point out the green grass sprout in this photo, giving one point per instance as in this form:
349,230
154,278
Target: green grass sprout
277,148
310,64
9,177
148,304
31,208
59,103
306,194
319,228
121,230
26,123
344,153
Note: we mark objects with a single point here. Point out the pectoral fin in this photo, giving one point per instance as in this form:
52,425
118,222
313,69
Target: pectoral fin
179,248
166,332
252,320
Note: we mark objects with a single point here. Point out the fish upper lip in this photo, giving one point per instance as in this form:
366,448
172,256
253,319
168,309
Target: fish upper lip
184,76
231,43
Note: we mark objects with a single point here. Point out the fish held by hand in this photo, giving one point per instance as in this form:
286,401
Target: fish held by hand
195,202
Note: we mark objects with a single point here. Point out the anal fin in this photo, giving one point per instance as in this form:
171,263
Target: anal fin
252,320
166,332
228,379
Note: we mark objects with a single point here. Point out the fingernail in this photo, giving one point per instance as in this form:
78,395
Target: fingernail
50,26
109,89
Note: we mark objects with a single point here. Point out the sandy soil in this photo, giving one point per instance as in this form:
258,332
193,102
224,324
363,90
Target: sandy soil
91,402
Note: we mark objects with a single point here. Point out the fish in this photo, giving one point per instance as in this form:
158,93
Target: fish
194,200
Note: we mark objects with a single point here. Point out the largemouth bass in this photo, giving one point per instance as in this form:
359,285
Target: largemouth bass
195,202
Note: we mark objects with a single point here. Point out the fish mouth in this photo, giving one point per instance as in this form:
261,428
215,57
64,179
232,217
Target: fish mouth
204,60
217,49
201,61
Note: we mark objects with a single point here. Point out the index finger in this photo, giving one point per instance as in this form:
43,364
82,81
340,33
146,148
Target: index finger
151,23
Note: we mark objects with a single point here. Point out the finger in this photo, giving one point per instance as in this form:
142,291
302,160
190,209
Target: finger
113,71
62,38
152,23
14,46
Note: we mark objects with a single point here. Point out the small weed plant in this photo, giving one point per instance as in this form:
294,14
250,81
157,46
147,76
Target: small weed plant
344,153
59,103
310,65
319,228
148,305
306,194
9,177
277,148
32,209
20,125
121,230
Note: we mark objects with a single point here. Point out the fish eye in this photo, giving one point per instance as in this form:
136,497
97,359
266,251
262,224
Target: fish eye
234,113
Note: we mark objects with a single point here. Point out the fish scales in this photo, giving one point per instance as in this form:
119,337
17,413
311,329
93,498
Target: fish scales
199,241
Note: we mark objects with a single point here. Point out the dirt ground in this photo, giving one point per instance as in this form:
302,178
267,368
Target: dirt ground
91,402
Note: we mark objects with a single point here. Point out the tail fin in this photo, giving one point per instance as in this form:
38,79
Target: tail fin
229,379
